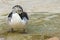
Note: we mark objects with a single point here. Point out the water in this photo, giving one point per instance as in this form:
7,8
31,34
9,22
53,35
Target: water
45,24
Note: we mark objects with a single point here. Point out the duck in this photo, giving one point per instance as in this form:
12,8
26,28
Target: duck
17,19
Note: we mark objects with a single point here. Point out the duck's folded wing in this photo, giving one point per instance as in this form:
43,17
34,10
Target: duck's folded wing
10,16
24,15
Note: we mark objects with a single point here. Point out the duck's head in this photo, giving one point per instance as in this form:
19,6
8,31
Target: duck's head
17,9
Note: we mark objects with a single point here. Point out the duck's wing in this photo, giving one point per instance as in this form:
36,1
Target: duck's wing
24,16
10,16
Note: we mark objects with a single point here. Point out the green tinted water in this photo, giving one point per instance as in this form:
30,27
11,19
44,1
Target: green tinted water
44,24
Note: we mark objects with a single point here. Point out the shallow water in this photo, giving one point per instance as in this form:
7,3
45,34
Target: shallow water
45,24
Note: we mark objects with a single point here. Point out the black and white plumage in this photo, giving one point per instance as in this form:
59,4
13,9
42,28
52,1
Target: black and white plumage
17,19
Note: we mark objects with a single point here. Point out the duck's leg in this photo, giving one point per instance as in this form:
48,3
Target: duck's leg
11,30
24,31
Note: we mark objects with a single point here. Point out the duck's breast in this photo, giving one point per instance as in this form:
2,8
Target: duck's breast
15,19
